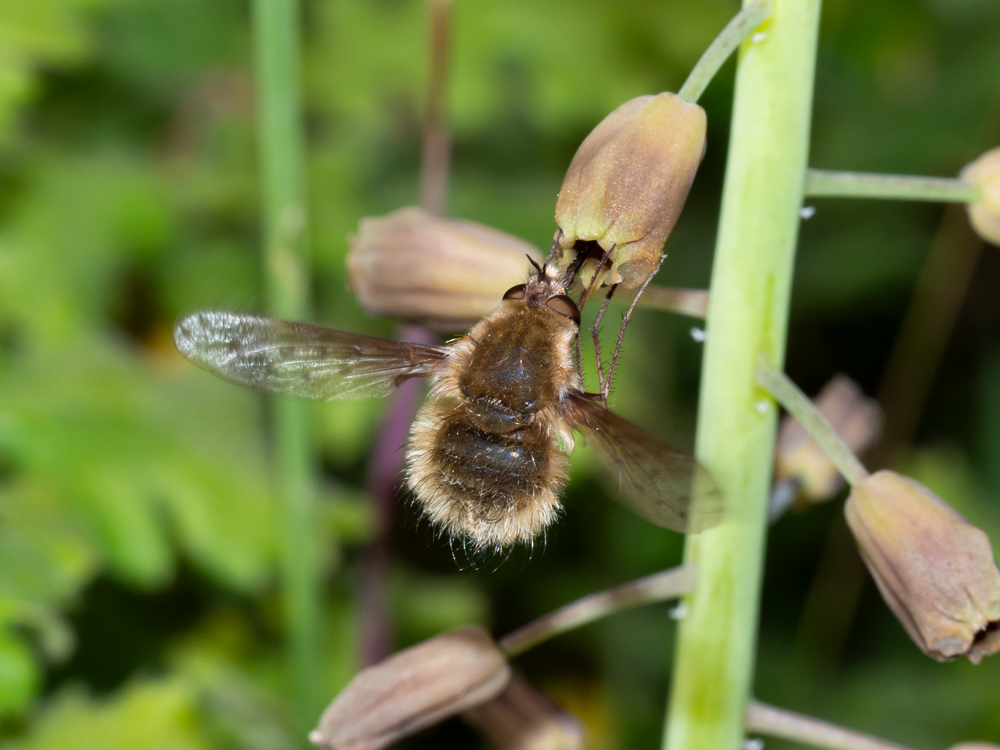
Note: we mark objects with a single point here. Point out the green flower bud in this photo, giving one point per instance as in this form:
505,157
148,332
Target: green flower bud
628,182
442,273
935,570
412,690
985,212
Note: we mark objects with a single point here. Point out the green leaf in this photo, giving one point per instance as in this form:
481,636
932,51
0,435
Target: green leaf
151,716
79,226
143,457
19,678
37,34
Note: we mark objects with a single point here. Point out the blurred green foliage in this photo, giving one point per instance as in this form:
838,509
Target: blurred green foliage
137,599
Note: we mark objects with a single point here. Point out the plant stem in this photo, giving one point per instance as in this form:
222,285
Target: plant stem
777,722
386,461
690,302
655,588
796,403
825,183
281,150
916,354
751,279
729,39
435,156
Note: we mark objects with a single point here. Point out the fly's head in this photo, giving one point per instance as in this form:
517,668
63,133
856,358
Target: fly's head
547,288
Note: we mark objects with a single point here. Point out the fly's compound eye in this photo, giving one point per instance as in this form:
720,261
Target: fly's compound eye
564,306
515,292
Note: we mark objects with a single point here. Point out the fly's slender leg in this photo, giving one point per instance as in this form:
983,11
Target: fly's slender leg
605,385
577,265
628,314
553,248
568,279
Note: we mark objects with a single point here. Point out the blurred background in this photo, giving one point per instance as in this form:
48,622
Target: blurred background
139,597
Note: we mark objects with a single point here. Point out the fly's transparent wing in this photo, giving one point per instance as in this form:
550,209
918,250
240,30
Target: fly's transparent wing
277,356
656,481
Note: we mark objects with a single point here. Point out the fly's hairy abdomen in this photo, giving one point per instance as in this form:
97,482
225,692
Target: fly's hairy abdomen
483,458
493,488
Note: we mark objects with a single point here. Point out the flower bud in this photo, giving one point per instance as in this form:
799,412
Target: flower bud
935,570
985,212
412,690
522,717
443,273
856,418
628,182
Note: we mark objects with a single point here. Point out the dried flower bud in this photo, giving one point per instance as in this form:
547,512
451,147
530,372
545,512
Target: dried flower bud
985,212
412,690
935,570
628,182
522,717
443,273
856,418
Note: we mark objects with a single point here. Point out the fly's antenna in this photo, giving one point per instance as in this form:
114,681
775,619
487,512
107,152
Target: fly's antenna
605,259
535,264
574,268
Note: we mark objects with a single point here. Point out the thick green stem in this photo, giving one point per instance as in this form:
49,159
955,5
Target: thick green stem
729,39
751,279
796,403
281,149
824,183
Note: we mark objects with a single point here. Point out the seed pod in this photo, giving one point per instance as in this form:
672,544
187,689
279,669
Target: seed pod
856,418
412,690
627,184
442,273
985,212
522,717
935,570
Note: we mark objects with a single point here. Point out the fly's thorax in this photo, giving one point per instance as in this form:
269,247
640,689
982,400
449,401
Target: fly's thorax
520,363
523,349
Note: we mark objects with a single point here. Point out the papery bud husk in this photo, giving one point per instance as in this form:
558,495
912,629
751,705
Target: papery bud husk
414,689
856,418
934,569
442,273
627,184
522,717
985,212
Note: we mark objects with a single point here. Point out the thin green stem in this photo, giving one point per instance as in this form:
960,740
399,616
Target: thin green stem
726,43
750,289
827,184
796,403
282,157
690,302
777,722
655,588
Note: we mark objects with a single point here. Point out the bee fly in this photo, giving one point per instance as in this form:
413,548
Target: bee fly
487,452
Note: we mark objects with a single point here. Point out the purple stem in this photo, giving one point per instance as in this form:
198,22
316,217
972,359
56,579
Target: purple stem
384,476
